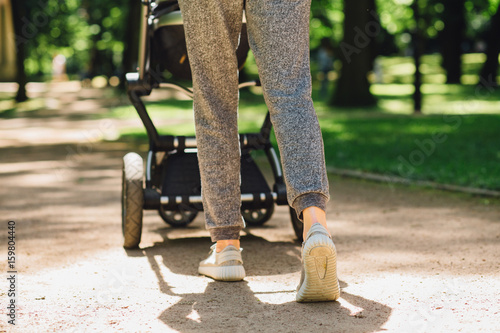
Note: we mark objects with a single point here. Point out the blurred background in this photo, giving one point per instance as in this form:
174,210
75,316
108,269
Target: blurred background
403,88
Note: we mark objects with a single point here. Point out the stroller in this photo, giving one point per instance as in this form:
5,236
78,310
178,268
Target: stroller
172,179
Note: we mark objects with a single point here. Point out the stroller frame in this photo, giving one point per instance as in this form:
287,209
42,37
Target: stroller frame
171,162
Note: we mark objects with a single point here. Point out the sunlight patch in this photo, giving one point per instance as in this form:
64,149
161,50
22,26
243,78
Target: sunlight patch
353,309
194,316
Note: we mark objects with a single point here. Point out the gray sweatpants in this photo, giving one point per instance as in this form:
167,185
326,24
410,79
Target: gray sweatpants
278,32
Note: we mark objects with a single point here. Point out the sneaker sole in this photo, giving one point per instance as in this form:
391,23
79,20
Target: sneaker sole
224,273
320,264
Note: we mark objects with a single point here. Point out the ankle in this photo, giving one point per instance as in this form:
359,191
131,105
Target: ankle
312,215
221,244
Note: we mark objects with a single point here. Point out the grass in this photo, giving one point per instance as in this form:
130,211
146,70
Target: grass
456,141
450,149
176,116
10,108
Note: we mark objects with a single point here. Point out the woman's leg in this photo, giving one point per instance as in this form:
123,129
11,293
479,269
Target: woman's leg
278,33
279,38
212,30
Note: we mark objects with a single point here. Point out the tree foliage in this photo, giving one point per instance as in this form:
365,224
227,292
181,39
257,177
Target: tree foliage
98,37
88,33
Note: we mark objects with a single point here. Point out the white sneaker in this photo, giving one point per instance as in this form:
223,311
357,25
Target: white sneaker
226,265
318,281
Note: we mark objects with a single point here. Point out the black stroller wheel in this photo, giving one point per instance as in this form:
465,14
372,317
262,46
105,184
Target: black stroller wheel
132,200
298,226
178,218
256,217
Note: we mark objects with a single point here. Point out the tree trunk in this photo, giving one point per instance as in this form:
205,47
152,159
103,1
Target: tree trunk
488,74
131,50
361,26
452,38
131,40
417,94
96,57
18,12
418,47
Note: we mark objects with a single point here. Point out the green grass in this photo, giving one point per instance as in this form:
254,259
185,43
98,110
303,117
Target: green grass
456,141
9,108
176,116
450,149
388,138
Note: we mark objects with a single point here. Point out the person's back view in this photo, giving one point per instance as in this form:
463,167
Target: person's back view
278,34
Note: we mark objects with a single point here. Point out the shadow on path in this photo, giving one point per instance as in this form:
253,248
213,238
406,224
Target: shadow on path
261,303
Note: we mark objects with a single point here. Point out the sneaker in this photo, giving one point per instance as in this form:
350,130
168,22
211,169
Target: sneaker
226,265
318,281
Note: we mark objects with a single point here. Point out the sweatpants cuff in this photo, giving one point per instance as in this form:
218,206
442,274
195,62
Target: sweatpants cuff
308,200
224,233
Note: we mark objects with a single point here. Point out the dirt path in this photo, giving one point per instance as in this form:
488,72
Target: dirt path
410,260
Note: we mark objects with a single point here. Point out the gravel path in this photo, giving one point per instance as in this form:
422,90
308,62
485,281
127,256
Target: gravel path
410,260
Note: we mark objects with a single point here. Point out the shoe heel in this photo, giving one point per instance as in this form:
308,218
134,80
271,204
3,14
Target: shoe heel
320,256
320,283
224,273
232,273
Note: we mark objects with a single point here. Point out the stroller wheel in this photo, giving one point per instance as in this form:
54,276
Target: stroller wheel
178,218
132,200
298,226
256,217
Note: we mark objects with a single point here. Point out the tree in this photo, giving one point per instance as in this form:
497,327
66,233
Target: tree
326,21
452,37
418,47
107,26
77,30
18,12
361,26
488,74
131,49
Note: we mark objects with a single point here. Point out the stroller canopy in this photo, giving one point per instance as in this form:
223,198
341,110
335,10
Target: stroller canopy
169,51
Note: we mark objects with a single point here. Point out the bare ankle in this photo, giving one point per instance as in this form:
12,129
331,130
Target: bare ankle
312,215
221,244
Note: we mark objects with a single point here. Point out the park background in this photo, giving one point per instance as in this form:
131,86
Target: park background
378,113
410,259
